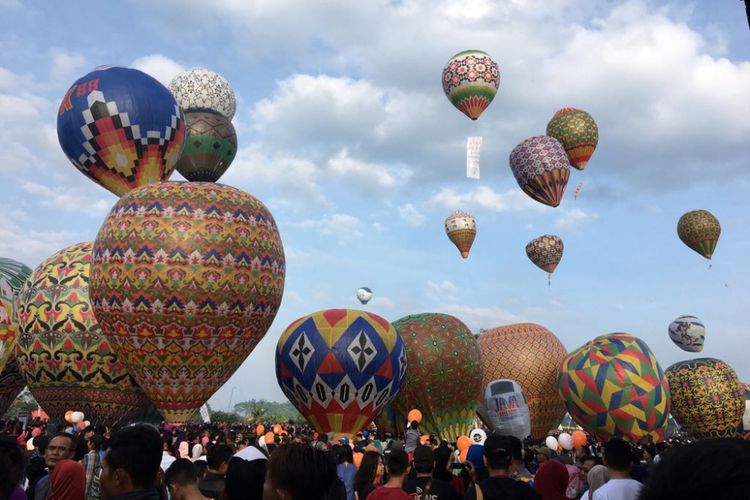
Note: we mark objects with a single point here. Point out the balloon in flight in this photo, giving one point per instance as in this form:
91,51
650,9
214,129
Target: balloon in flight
541,169
364,295
470,81
700,231
688,333
461,228
577,132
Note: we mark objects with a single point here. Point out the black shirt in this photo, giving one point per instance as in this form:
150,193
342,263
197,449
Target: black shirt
439,490
212,486
503,488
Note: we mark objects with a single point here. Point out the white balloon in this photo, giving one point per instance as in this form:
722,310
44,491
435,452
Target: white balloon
87,423
77,417
364,295
201,89
565,440
478,436
688,333
551,443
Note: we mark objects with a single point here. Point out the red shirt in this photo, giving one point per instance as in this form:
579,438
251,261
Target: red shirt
383,493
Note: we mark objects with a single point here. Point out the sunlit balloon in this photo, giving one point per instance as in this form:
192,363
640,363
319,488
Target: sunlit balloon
364,295
470,81
545,252
13,274
200,89
461,228
700,231
688,333
505,410
577,132
541,169
210,146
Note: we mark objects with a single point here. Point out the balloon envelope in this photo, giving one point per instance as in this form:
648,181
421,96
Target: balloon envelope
364,295
200,89
565,440
699,230
545,252
551,443
745,429
688,333
470,81
505,410
13,274
461,228
121,128
11,384
577,132
541,169
340,368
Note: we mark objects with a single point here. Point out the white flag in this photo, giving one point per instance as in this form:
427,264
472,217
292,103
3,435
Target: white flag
473,149
204,414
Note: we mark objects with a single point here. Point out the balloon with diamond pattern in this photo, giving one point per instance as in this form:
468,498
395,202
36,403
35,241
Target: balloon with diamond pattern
470,81
210,146
577,132
699,230
13,274
541,169
545,252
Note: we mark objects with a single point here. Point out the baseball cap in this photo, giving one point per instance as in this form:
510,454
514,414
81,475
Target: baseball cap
344,440
424,456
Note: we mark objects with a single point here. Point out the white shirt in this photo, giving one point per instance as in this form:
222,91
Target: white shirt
166,460
619,489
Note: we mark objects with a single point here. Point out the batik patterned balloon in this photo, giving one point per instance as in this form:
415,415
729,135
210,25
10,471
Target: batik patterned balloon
121,128
210,146
66,360
541,168
700,231
707,398
470,81
444,379
531,355
745,428
340,368
614,387
390,421
688,333
577,132
11,384
12,276
201,89
186,280
461,228
545,252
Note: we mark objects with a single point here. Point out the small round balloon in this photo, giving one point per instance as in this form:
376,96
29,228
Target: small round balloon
545,252
688,333
364,295
210,146
541,169
577,132
565,440
551,443
201,89
700,231
470,81
461,228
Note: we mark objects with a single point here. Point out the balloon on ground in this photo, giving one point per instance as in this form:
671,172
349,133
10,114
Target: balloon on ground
200,89
688,333
699,230
577,132
745,428
504,409
13,274
470,81
461,228
11,384
210,146
541,169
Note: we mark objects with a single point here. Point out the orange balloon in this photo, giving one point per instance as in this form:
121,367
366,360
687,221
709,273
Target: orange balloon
424,439
277,429
579,439
81,424
358,459
463,455
463,443
69,416
260,430
269,437
414,415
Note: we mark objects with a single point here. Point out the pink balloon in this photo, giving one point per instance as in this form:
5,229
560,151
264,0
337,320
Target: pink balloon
36,431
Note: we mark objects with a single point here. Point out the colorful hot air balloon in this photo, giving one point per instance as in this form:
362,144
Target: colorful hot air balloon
505,410
390,421
614,387
340,368
121,128
210,146
745,428
364,295
545,252
13,274
66,360
461,228
541,168
444,379
577,132
688,333
201,89
186,280
11,384
470,81
531,355
700,231
707,398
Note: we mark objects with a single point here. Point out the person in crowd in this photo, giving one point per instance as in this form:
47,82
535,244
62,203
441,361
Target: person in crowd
618,458
424,486
244,480
299,472
442,457
543,454
68,481
182,481
518,468
61,447
166,455
551,480
36,467
475,455
596,477
370,474
92,465
130,467
201,468
397,468
498,456
412,437
11,469
346,470
217,458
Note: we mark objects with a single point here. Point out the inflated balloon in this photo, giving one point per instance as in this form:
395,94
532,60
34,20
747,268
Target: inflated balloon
505,410
707,398
201,89
579,439
551,443
364,295
541,168
444,379
545,252
340,367
700,231
461,228
688,333
66,359
13,274
745,427
357,459
277,429
414,416
210,146
260,429
470,81
463,443
577,132
11,384
531,355
614,387
69,416
121,128
390,421
186,280
565,440
77,417
478,436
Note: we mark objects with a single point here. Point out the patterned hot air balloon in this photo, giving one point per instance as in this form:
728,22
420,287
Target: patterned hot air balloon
541,168
340,368
11,384
700,231
444,379
121,128
390,421
688,333
364,295
66,360
12,276
210,146
504,409
531,355
707,397
470,81
545,252
186,280
577,132
745,428
461,228
201,89
614,387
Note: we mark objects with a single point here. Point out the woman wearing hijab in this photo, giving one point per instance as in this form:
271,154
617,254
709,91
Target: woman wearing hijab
597,476
551,480
68,481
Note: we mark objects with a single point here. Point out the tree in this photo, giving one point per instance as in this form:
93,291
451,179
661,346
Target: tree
222,416
260,410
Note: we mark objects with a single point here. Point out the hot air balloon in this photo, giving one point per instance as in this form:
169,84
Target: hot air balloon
201,89
541,168
364,295
461,228
531,355
11,384
66,360
12,276
745,428
340,368
577,132
707,398
186,280
614,387
545,252
688,333
505,410
700,231
444,379
390,421
210,146
121,128
470,81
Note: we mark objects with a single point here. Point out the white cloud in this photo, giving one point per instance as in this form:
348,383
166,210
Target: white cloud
366,174
342,227
484,198
480,317
440,291
159,66
411,215
29,246
67,67
69,200
574,218
379,227
378,302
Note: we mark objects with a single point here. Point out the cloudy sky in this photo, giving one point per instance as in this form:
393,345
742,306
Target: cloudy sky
346,135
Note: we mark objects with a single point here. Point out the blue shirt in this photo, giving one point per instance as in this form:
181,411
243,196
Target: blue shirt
346,473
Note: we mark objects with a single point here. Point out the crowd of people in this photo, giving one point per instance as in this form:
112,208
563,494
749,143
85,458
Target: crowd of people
223,461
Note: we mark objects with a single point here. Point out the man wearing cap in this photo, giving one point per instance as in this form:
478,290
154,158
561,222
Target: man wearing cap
498,486
424,486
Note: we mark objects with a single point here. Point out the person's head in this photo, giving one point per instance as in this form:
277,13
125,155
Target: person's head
88,432
68,480
40,443
201,468
297,472
95,442
424,460
398,463
181,478
414,424
617,455
62,446
245,479
585,464
596,477
498,452
370,468
345,455
217,457
543,454
12,465
516,447
132,462
551,480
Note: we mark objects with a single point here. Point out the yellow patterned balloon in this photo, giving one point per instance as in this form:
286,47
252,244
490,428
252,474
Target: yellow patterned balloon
12,276
67,362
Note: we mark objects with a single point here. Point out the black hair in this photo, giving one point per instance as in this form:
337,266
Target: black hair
414,424
96,441
516,446
367,471
398,462
323,438
345,454
12,465
217,454
201,468
137,450
182,472
617,454
41,442
498,450
301,471
442,456
68,436
244,479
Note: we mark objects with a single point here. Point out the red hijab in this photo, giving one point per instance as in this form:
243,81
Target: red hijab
68,481
551,480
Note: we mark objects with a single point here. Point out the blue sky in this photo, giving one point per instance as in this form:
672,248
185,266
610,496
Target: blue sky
345,134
